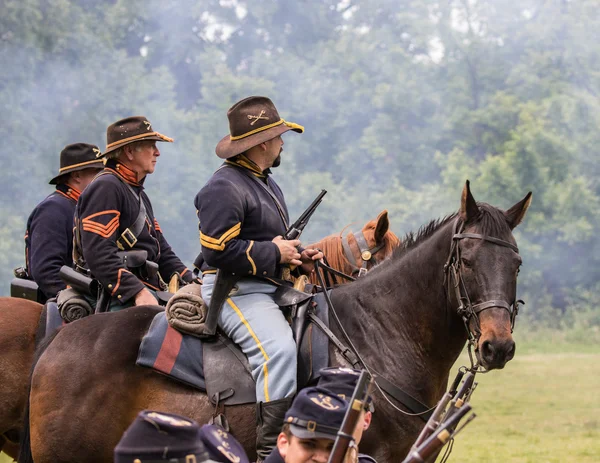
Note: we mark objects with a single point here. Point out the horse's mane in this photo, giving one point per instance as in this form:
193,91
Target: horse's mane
491,221
332,248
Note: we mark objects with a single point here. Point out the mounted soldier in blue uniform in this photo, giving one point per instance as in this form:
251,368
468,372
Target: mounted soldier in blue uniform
49,234
117,237
243,216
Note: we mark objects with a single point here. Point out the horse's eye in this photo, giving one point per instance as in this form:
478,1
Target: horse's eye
466,262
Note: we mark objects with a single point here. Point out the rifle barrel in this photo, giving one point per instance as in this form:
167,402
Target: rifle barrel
461,396
296,228
432,445
434,420
353,414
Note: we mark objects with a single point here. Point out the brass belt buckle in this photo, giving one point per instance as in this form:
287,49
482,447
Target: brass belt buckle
129,238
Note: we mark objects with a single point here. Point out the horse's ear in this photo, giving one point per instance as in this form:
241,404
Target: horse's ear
468,206
382,226
515,214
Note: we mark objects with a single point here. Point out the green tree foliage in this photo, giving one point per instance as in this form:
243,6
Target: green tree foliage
402,101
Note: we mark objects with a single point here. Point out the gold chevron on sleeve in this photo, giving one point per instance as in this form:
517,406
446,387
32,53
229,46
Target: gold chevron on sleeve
218,244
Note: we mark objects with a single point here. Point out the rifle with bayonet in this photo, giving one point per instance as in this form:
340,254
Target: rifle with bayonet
462,395
352,418
429,449
451,408
436,417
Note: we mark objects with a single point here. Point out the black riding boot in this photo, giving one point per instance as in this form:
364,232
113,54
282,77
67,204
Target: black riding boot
269,420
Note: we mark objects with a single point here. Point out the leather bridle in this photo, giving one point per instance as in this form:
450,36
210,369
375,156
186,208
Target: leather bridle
367,255
466,309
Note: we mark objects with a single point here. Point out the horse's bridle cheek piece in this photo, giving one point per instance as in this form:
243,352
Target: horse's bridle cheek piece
466,309
367,255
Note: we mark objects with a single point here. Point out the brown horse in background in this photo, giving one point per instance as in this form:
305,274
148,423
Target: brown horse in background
404,316
378,238
19,324
20,321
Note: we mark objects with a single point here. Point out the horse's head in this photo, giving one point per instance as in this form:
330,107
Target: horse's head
373,244
482,274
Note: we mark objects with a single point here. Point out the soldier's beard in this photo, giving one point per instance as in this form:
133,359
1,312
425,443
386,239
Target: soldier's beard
277,160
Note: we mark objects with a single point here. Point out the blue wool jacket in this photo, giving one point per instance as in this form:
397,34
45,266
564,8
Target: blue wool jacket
49,239
240,210
104,211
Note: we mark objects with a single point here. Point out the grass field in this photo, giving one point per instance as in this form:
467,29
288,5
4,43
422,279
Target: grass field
544,407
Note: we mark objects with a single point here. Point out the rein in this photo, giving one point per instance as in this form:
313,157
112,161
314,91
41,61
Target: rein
467,310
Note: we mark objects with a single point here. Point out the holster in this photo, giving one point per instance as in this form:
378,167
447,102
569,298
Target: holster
81,283
198,261
224,283
133,259
137,262
103,302
26,289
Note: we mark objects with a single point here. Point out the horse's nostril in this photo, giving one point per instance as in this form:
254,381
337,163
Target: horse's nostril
511,351
487,350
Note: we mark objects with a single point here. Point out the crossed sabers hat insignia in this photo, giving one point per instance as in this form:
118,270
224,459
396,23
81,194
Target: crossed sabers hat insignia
255,118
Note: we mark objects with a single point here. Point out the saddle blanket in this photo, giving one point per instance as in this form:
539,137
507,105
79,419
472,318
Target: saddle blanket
180,356
172,353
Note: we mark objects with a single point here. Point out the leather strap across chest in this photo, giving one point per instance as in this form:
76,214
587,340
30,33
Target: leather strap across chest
131,234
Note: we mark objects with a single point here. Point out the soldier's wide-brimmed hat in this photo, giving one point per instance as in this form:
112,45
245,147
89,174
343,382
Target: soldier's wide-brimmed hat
131,130
77,156
159,436
252,121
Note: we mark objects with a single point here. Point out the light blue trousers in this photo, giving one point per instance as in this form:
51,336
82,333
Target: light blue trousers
252,320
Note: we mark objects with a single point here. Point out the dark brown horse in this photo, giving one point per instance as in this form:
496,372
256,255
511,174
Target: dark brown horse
403,316
20,319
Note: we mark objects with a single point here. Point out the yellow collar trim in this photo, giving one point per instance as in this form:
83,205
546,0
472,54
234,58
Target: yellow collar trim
138,137
291,125
242,161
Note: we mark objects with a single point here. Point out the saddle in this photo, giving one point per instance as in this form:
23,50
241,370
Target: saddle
220,368
228,376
